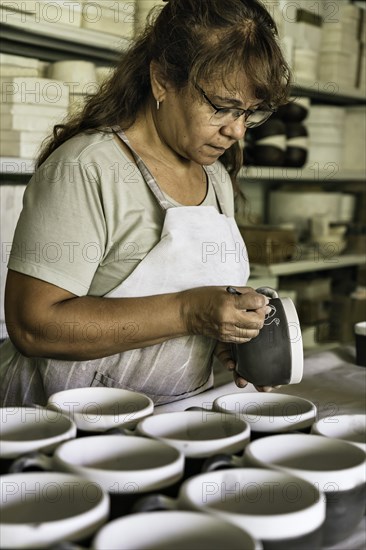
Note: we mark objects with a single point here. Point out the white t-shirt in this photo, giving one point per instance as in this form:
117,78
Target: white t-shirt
89,217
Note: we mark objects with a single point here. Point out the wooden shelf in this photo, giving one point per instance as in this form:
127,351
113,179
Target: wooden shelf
307,266
313,173
16,166
55,41
329,92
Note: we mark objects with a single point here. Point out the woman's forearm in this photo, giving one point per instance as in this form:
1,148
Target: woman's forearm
90,327
44,320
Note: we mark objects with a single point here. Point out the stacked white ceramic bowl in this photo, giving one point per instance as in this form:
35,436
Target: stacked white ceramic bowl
325,126
22,116
338,57
30,106
305,65
16,65
79,76
354,136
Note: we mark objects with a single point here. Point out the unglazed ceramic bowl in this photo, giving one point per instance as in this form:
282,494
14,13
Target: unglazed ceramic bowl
97,409
337,468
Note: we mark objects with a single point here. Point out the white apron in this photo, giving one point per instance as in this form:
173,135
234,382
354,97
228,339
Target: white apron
198,247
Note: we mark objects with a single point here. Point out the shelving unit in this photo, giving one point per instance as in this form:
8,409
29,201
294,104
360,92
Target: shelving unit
329,92
51,41
312,173
311,262
330,174
307,266
12,167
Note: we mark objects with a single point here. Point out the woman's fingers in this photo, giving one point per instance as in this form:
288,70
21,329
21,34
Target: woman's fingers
224,354
214,312
249,299
239,380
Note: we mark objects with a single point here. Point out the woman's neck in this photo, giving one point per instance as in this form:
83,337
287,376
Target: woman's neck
182,179
148,141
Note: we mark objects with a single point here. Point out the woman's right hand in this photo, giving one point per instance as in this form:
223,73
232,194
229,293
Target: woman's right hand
212,311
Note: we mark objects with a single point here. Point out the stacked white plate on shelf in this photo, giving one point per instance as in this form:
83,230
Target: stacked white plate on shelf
109,16
338,60
325,126
305,64
15,65
361,83
30,106
353,157
11,201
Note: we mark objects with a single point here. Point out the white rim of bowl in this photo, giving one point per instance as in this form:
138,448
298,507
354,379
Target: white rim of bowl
283,525
360,328
12,448
198,448
347,477
154,478
297,354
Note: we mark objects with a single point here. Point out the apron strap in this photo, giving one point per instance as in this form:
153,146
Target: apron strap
146,174
153,185
214,178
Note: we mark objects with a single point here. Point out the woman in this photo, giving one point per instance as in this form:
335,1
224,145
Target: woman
126,242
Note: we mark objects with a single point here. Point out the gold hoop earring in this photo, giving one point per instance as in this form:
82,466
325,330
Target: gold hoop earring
157,105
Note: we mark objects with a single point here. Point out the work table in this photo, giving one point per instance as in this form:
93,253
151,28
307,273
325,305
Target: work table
331,380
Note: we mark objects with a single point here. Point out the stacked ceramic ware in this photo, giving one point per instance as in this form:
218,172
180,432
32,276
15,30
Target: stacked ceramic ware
282,140
301,207
338,60
353,157
325,125
361,80
30,106
111,459
11,201
302,24
79,76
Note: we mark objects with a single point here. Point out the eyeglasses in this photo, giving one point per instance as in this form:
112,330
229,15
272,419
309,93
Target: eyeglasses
226,115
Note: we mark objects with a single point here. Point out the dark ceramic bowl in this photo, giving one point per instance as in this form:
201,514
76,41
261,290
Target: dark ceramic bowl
335,467
278,509
275,356
272,127
268,155
293,112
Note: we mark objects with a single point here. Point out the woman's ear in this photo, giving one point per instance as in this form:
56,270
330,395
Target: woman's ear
159,84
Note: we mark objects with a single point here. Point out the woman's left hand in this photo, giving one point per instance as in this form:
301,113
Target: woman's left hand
223,352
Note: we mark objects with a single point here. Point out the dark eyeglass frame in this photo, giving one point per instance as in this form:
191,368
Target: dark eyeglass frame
246,112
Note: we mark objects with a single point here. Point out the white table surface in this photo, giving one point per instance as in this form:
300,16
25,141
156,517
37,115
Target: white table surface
331,380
